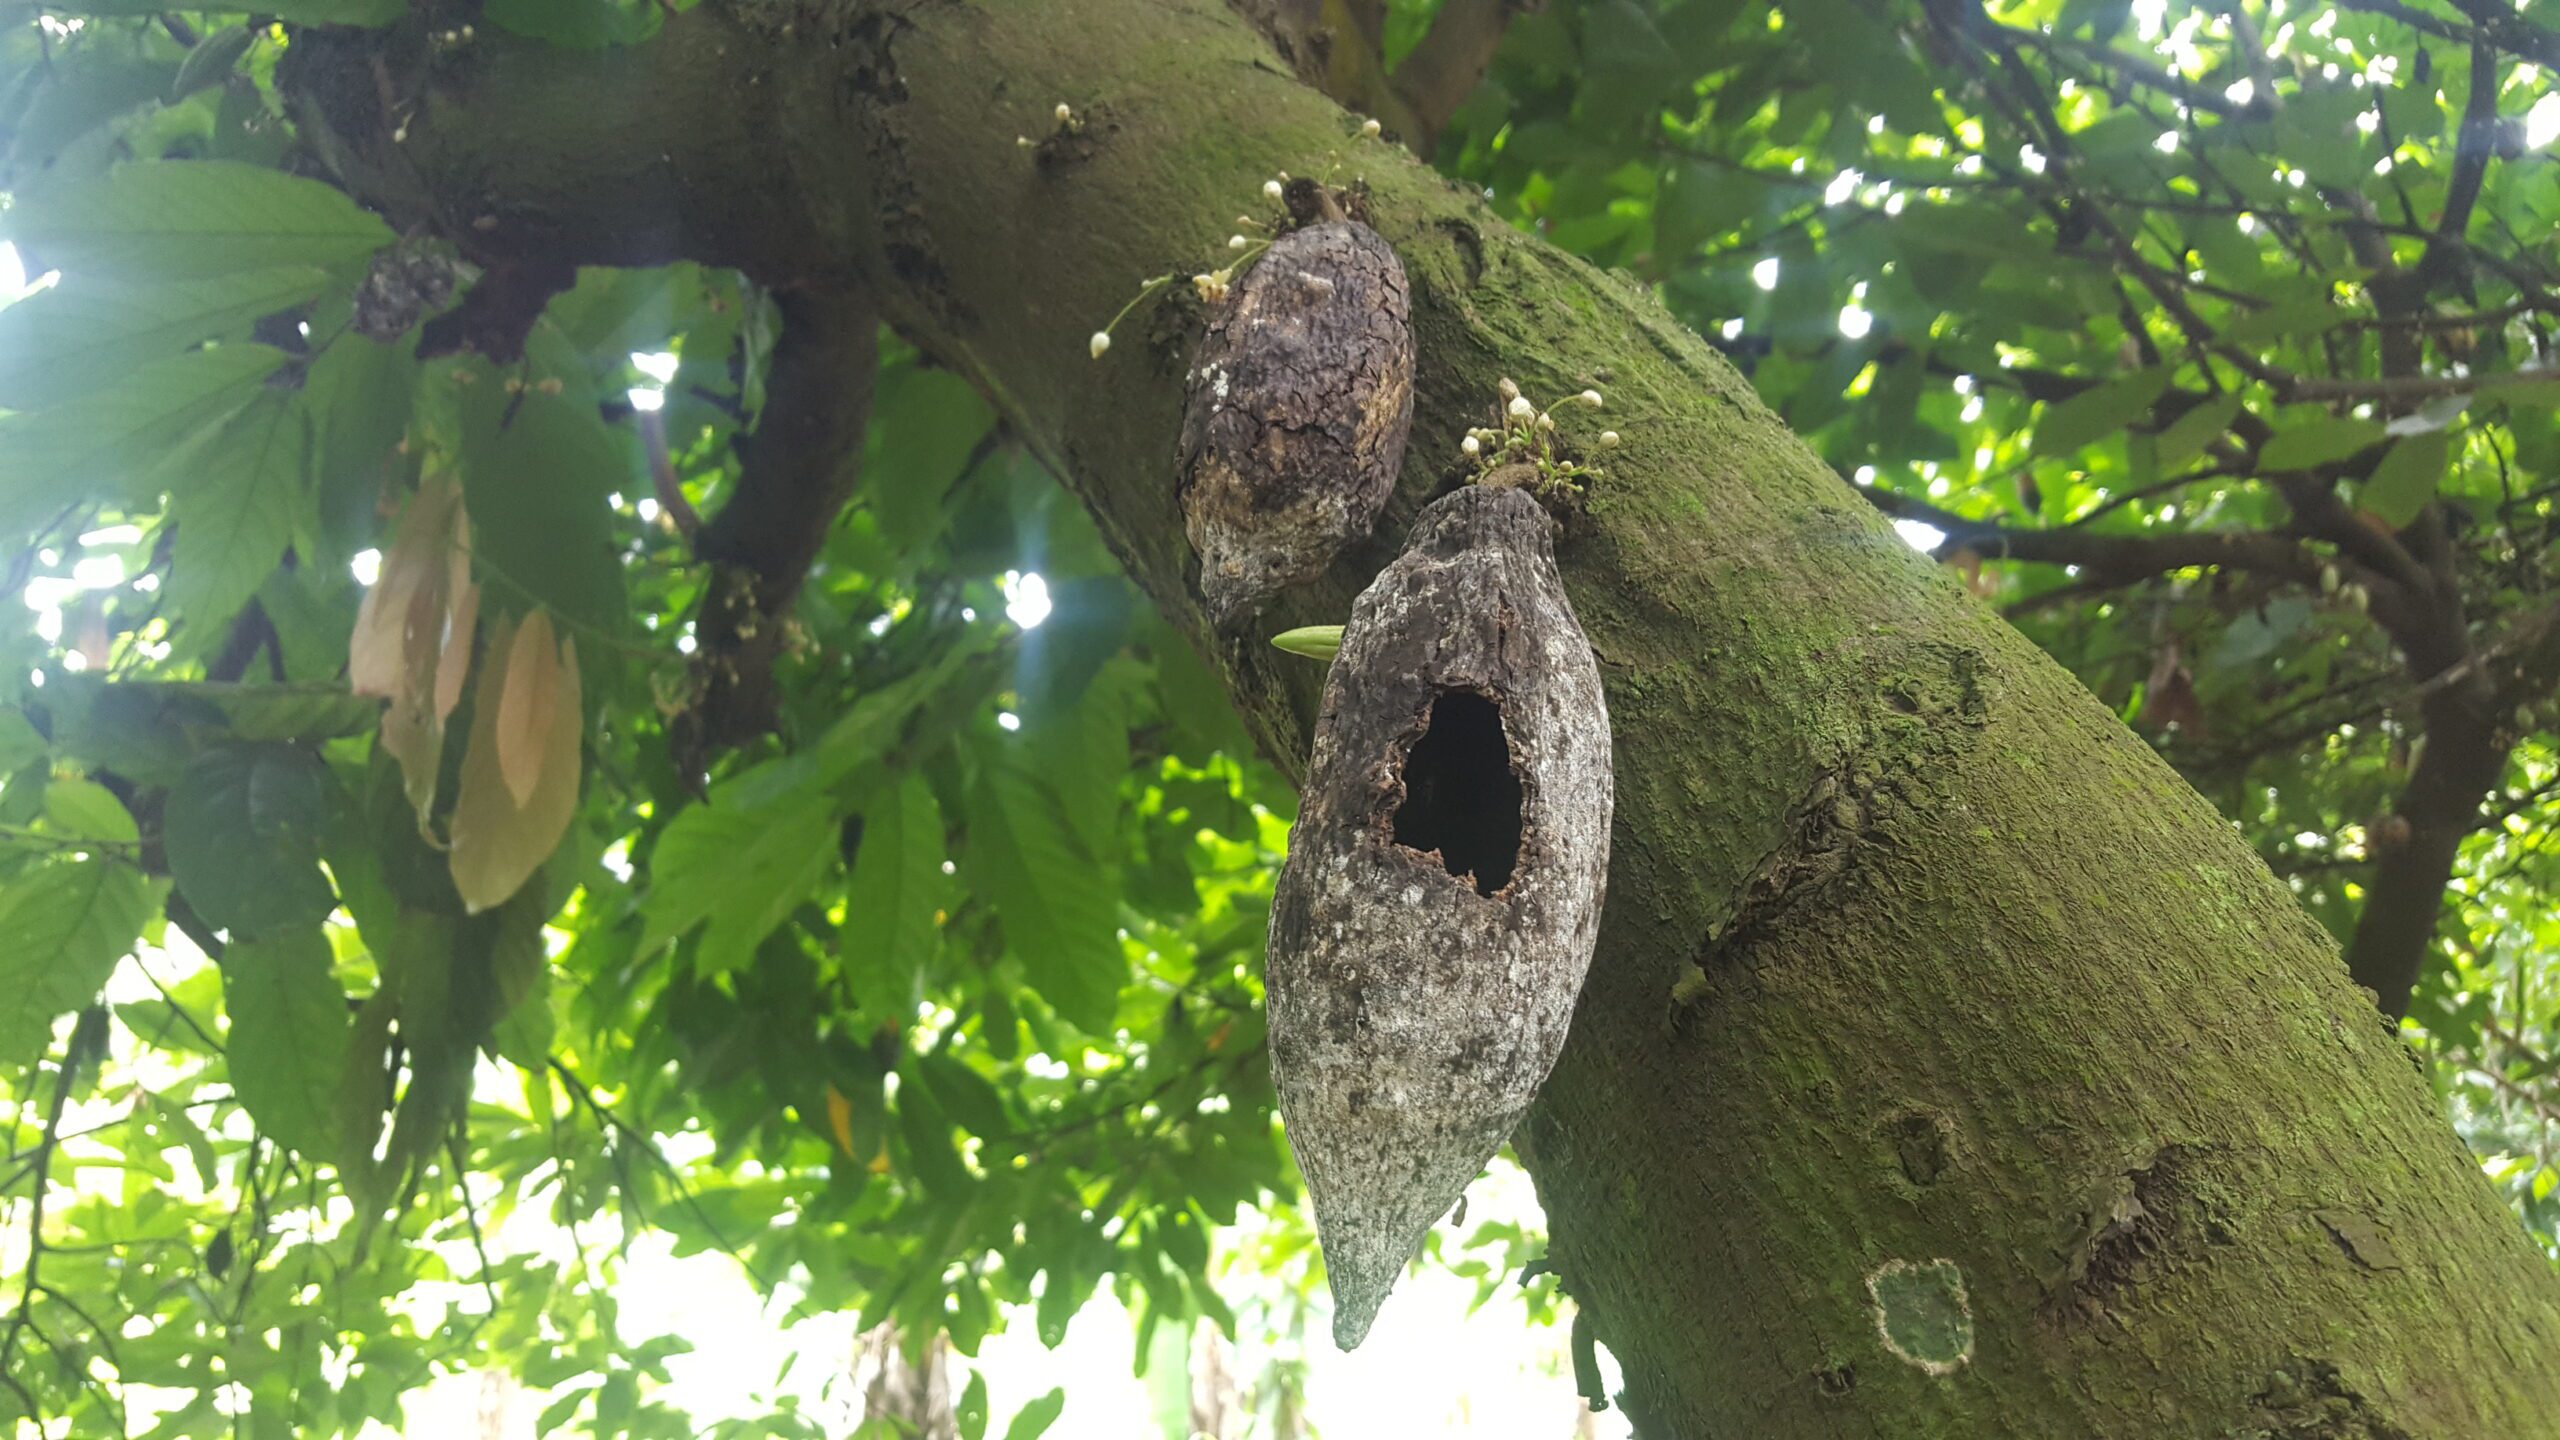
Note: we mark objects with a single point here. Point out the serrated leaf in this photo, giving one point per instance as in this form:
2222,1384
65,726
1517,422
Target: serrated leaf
2098,412
892,900
115,442
63,927
499,843
242,829
2318,442
77,338
1059,913
235,511
2406,479
289,1037
185,218
1034,1419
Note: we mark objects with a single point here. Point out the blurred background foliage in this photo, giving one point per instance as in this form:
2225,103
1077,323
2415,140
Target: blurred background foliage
2212,344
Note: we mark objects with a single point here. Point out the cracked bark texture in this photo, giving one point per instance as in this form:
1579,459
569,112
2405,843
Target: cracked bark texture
1294,424
1434,922
2044,963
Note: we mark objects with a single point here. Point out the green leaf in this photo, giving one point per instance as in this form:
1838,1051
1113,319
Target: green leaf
63,927
2187,436
2406,479
289,1037
75,339
1316,642
87,810
2098,412
2294,319
537,467
2318,442
113,442
1059,913
1036,1417
235,511
186,218
360,394
971,1413
743,868
891,902
243,830
925,425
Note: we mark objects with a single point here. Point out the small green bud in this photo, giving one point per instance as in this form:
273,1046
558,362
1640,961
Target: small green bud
1316,642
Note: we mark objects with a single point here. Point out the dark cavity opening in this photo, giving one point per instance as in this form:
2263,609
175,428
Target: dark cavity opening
1460,797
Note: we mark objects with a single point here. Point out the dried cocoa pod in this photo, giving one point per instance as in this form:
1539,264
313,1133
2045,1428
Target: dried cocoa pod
1435,919
1295,413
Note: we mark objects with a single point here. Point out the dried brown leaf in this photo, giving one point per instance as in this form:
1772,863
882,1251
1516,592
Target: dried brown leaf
498,841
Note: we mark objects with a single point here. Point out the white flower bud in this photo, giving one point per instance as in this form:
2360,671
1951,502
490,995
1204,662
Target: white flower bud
1509,390
1101,342
1270,189
1065,113
1608,439
1237,242
1371,128
1521,409
1590,398
1471,446
1546,421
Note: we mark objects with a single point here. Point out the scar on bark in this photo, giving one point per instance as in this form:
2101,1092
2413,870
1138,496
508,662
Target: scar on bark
2136,1227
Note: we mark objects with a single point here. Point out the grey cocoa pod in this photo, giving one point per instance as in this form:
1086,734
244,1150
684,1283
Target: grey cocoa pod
1295,413
1436,916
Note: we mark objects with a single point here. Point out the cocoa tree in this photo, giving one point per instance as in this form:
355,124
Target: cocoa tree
1947,1062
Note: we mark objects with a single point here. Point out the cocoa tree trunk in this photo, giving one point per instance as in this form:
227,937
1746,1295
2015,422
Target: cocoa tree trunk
2012,1096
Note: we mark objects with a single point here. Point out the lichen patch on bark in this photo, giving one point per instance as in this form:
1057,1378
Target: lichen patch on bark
1921,1313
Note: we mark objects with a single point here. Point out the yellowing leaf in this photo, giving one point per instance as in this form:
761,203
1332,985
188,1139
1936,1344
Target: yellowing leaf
498,842
454,661
530,693
840,1119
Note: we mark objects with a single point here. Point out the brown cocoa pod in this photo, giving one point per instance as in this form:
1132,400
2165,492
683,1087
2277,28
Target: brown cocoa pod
1435,919
1295,413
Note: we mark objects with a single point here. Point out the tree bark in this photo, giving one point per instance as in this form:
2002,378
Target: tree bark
2011,1094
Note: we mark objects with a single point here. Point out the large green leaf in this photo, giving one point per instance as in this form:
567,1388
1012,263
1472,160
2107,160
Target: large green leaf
235,508
289,1037
1059,908
537,466
79,338
2406,479
63,927
243,829
114,442
172,219
927,424
2318,441
2095,413
896,890
739,867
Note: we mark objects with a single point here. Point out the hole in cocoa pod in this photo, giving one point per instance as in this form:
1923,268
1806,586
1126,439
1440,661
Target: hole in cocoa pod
1461,798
